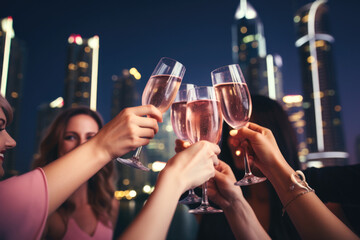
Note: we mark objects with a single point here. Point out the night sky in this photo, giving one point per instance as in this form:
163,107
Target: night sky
195,32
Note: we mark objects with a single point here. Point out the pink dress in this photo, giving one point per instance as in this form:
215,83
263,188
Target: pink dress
73,231
23,206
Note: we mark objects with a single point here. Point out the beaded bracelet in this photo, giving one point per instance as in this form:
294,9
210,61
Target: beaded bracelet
299,183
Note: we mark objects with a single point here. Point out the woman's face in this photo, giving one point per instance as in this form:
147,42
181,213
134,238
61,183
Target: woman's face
6,142
79,130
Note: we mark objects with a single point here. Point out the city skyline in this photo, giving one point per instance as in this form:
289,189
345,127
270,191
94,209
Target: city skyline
137,34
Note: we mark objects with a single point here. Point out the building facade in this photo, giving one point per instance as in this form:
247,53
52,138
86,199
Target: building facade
81,72
324,129
13,54
262,72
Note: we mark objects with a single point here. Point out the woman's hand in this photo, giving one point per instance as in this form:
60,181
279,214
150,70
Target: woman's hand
128,130
193,166
221,188
263,147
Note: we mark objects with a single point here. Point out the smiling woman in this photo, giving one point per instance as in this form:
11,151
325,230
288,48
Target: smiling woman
92,208
6,141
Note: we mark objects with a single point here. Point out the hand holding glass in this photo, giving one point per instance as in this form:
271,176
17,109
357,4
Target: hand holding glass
203,122
159,91
178,121
232,91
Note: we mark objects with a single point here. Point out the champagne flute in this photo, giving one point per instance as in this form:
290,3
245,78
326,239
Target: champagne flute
232,91
160,91
178,121
203,122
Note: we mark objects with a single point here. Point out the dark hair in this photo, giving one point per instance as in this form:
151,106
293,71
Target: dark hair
7,109
100,186
270,114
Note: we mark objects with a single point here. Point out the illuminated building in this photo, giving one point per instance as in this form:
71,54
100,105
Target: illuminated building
81,71
293,106
46,113
262,72
324,129
125,95
124,91
12,60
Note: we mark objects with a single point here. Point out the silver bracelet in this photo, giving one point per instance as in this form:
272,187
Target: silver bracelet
299,180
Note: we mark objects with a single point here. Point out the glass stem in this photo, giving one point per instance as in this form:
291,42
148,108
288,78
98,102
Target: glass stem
137,154
246,164
204,200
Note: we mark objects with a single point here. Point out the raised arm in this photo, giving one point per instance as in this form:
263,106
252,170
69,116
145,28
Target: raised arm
239,214
311,217
185,170
127,131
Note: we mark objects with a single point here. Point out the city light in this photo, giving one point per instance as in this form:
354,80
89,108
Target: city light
233,132
57,103
157,166
94,44
133,71
289,99
147,189
127,194
7,27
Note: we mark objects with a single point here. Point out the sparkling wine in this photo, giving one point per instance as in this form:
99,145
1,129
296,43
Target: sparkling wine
161,91
235,103
178,119
204,120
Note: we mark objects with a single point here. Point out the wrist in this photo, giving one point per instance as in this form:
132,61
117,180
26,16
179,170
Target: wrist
279,174
98,151
170,179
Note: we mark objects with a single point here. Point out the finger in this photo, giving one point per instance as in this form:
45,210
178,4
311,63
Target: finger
146,133
145,122
255,127
148,110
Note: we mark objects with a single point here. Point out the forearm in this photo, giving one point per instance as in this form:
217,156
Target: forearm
311,217
67,173
243,221
155,217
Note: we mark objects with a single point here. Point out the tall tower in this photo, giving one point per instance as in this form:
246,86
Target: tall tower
46,113
12,60
293,106
81,72
324,130
124,91
261,72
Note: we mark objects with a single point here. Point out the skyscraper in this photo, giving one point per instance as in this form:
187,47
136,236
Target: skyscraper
46,113
262,72
293,106
81,72
12,60
125,95
324,131
124,91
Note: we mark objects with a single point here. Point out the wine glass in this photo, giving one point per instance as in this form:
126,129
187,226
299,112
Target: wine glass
160,91
203,122
232,91
178,121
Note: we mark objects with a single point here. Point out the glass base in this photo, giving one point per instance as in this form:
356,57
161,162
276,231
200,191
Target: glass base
203,209
132,162
250,179
190,199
